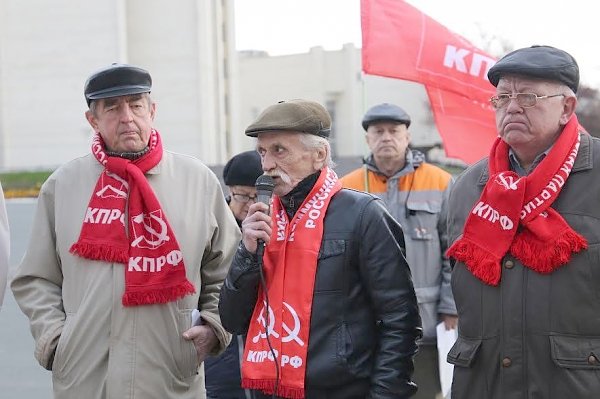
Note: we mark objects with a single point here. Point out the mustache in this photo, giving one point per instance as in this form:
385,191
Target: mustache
281,174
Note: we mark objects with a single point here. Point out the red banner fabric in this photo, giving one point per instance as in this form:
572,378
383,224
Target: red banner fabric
401,42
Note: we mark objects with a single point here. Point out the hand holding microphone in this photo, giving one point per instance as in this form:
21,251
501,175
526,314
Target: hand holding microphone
256,228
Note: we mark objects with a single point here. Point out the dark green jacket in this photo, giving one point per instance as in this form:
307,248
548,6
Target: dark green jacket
533,336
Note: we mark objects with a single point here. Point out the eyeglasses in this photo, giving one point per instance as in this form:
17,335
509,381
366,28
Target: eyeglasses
525,100
243,197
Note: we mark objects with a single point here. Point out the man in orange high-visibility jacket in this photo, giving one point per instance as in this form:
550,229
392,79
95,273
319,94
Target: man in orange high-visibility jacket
413,191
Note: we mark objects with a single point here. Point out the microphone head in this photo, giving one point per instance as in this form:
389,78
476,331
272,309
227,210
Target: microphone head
264,189
264,183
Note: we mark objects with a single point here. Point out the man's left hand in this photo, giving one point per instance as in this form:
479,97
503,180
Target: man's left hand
450,321
204,339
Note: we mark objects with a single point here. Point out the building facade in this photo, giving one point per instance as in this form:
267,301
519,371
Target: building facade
206,93
334,79
48,49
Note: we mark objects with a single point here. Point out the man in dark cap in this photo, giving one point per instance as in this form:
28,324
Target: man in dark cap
413,191
524,229
329,309
222,373
240,174
128,243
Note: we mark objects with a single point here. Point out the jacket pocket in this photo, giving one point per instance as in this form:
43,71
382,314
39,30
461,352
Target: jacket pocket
186,358
421,220
60,363
331,248
575,352
464,351
332,262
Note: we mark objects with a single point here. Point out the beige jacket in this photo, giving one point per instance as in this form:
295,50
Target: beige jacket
4,246
95,347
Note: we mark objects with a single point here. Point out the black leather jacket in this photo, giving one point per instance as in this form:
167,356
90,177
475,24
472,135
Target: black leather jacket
365,319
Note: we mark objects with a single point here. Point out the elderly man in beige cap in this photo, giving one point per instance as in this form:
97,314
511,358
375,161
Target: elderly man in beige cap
329,309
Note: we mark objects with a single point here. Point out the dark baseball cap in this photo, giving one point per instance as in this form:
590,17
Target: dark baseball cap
295,116
385,112
243,169
543,62
117,80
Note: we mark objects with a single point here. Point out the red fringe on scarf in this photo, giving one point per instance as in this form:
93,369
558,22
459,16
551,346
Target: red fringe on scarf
545,257
100,252
158,295
268,386
480,262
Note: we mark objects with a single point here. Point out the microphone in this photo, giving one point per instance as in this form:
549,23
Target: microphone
264,191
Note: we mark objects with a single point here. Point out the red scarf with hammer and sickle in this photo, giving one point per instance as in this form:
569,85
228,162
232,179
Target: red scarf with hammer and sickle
290,266
545,240
154,272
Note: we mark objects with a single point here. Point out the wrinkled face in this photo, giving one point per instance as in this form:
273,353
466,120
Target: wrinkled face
241,199
532,130
285,158
123,122
388,140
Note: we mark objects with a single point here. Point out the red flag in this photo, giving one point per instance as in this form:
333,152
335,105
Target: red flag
401,42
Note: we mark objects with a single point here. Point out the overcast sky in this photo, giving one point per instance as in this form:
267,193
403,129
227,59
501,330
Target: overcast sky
293,26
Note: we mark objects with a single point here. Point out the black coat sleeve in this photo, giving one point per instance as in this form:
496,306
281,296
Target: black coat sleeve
387,277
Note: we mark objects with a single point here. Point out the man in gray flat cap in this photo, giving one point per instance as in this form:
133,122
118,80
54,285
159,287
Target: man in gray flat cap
329,309
128,242
524,229
413,191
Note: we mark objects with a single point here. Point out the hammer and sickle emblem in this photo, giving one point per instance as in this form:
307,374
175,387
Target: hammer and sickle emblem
262,321
292,332
507,182
161,236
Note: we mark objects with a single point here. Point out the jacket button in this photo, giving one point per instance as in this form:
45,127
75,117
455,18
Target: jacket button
592,359
509,264
506,362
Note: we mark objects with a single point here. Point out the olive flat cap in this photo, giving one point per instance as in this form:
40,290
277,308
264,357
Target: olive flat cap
243,169
117,80
385,112
543,62
293,115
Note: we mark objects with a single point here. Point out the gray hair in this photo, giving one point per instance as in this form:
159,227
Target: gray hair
311,141
94,103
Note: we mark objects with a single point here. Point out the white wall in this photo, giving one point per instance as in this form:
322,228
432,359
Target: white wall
49,48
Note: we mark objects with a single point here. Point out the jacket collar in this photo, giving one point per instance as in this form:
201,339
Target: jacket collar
414,159
292,200
584,160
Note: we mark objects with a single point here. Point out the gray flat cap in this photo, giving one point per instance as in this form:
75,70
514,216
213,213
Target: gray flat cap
385,112
543,62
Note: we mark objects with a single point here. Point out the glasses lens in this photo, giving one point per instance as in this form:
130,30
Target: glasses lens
241,197
499,101
526,99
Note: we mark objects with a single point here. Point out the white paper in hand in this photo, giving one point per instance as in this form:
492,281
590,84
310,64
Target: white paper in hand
196,320
445,340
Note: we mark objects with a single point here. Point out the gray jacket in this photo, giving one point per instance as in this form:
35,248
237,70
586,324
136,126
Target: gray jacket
534,336
414,197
